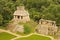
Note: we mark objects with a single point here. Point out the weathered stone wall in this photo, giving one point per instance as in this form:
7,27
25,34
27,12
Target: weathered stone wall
47,27
18,28
15,27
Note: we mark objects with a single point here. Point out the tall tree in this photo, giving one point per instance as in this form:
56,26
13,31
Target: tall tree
52,13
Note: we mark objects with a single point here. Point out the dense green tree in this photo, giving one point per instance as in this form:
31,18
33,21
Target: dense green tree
1,19
37,3
52,13
56,1
47,9
34,14
6,10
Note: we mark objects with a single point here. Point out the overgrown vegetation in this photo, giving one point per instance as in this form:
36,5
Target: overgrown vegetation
29,27
47,9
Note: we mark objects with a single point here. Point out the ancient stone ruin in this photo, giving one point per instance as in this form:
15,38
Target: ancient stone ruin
18,28
46,27
58,34
21,15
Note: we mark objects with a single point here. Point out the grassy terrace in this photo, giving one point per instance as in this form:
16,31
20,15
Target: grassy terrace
34,37
6,36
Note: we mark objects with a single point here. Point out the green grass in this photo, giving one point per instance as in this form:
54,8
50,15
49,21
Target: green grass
34,37
6,36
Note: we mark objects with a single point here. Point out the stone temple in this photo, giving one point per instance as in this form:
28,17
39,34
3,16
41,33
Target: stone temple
21,15
46,27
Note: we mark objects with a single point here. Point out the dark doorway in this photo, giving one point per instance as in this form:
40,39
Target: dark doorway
21,17
18,17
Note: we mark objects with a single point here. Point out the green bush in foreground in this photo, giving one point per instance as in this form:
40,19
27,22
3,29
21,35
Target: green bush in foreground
29,27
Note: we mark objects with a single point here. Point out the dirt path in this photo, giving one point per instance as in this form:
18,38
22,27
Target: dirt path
33,34
45,36
18,36
9,32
